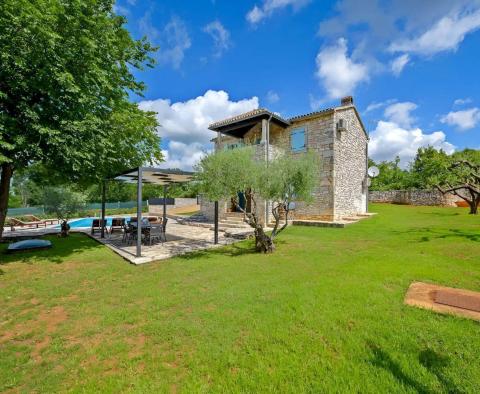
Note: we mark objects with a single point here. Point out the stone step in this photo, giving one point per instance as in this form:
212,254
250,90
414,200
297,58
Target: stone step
234,218
229,221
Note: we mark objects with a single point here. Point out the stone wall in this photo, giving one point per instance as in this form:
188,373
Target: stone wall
319,139
413,197
350,165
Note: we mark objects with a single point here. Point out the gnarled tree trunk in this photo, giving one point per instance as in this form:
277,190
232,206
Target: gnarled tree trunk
5,178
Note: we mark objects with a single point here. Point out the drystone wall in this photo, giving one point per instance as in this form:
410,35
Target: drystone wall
414,197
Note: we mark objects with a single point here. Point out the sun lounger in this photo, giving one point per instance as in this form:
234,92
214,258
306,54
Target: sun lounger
14,222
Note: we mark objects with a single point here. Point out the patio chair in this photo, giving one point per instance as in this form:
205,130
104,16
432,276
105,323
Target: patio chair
156,232
127,233
117,223
97,226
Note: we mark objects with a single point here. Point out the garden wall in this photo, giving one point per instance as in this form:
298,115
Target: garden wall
414,197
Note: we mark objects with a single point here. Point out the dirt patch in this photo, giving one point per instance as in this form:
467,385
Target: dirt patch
137,345
424,295
39,347
53,318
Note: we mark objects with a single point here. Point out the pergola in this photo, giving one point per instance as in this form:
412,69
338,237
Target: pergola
151,175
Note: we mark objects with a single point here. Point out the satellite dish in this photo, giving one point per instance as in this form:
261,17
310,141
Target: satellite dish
373,172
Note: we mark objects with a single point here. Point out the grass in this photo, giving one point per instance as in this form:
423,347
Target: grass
324,313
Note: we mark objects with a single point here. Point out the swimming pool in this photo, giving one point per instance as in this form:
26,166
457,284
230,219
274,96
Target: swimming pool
87,222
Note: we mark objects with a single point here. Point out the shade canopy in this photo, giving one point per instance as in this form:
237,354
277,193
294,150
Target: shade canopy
156,176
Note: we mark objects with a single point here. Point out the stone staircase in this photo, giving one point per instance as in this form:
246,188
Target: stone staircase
233,220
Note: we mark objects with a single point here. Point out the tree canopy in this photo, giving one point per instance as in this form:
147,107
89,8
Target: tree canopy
66,72
282,180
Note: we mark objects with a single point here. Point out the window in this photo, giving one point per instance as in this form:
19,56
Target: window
233,146
297,139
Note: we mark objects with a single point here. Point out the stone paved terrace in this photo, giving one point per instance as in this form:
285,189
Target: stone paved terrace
181,239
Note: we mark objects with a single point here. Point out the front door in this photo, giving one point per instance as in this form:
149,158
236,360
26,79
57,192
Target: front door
241,200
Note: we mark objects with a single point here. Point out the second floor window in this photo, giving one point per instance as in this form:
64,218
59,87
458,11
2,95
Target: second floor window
298,140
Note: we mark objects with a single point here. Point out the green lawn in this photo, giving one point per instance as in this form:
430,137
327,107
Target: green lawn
324,313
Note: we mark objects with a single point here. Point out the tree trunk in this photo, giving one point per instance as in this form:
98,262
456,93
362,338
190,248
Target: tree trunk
474,206
263,243
7,172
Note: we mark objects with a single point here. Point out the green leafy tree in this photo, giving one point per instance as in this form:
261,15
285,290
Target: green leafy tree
65,75
63,203
458,174
281,181
391,176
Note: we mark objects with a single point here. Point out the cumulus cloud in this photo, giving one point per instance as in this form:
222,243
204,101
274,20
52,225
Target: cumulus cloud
400,113
183,156
272,97
337,72
397,136
464,120
461,101
398,64
185,124
220,36
173,40
445,35
376,105
396,31
268,7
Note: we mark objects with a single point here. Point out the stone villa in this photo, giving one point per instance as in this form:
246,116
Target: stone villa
336,134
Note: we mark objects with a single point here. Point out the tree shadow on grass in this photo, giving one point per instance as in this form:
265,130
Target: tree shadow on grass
62,248
427,234
434,362
382,359
233,250
242,248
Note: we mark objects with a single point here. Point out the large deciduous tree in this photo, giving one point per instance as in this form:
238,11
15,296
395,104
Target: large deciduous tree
65,75
281,181
458,174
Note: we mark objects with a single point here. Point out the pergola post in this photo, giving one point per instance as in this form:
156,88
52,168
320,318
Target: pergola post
102,231
215,238
164,202
139,212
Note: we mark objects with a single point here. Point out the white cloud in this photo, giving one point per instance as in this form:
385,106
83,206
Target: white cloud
272,97
173,40
220,36
398,64
185,123
460,101
464,120
389,140
399,113
183,156
338,73
445,35
376,105
257,14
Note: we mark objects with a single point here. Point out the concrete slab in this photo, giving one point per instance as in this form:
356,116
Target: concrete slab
427,296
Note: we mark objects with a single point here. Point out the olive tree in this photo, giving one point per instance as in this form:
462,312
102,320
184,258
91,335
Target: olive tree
63,203
281,181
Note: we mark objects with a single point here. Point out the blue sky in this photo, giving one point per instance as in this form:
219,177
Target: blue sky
412,67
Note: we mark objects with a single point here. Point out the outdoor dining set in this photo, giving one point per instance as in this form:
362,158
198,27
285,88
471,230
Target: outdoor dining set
153,229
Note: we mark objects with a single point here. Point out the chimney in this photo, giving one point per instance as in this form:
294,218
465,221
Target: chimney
347,100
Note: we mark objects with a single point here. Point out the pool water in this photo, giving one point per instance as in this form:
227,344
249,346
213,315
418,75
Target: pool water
87,222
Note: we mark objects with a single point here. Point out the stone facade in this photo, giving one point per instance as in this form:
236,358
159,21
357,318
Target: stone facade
414,197
341,188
